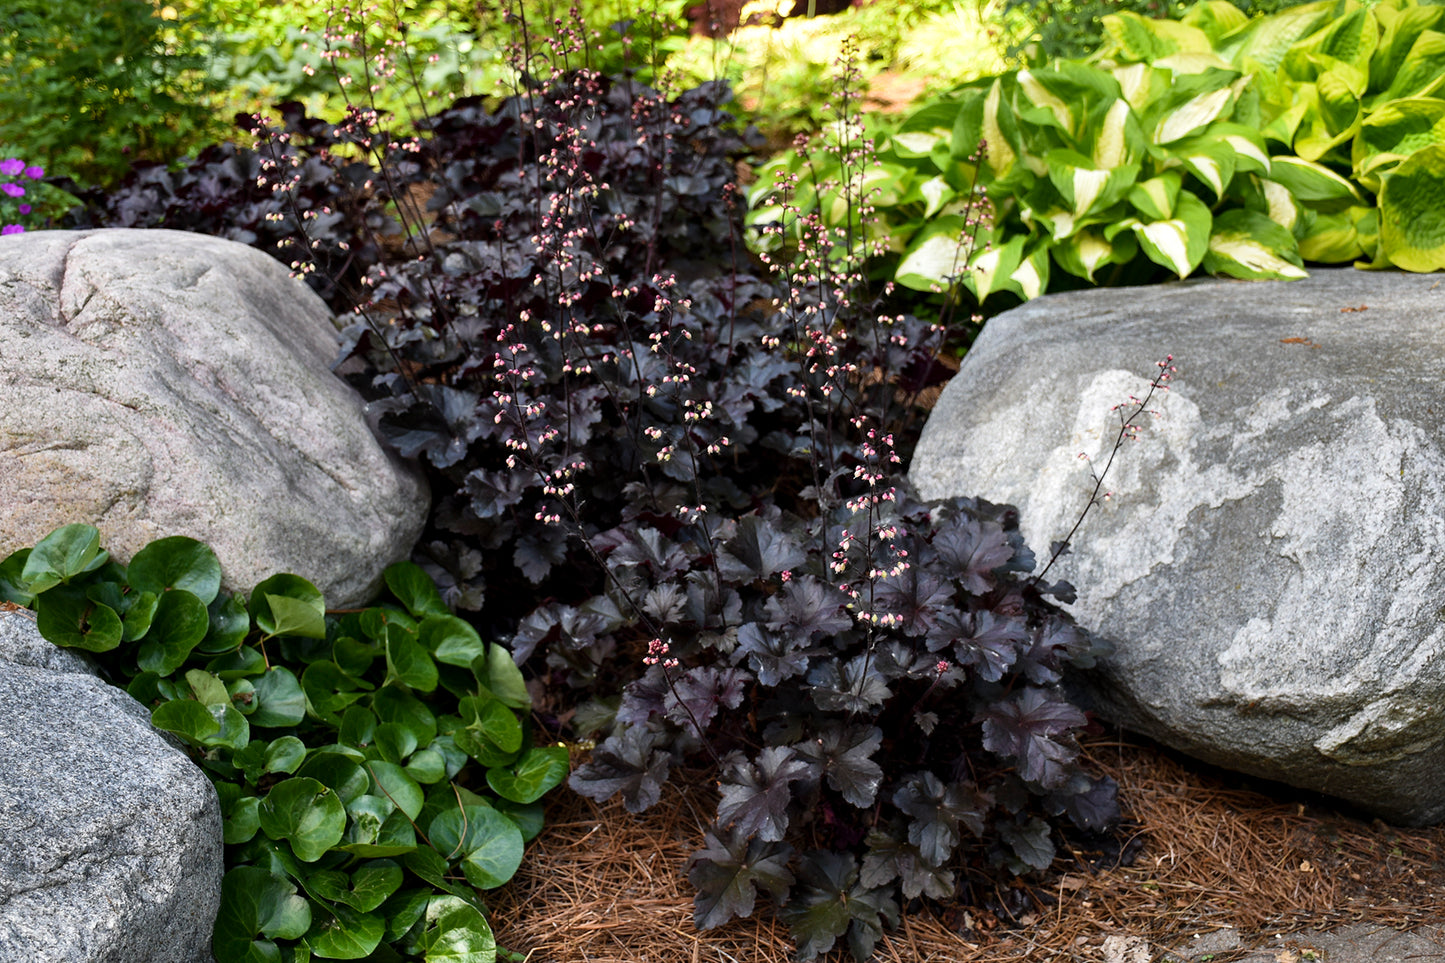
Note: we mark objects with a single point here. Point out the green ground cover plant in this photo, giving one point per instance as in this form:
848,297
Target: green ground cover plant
376,768
1236,146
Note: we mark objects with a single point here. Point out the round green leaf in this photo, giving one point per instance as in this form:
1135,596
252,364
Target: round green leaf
394,704
540,770
427,766
358,727
453,641
67,618
177,562
279,699
415,589
456,932
378,828
241,823
186,718
392,782
307,814
344,934
68,551
287,604
504,680
490,720
409,662
229,624
284,755
138,617
1412,211
179,624
394,742
13,587
488,844
342,775
254,903
365,889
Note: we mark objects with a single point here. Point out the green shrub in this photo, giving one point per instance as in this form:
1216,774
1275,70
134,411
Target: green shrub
88,88
375,768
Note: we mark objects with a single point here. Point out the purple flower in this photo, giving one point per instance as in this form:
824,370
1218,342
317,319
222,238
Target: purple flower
35,173
14,190
12,229
12,166
24,208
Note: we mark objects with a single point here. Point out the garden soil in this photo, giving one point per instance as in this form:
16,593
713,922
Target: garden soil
1206,868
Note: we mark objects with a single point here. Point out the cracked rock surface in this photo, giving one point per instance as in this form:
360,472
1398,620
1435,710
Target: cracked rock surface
1271,564
110,838
161,383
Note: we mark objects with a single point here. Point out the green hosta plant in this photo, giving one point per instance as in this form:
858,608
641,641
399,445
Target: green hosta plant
1084,167
1351,95
375,768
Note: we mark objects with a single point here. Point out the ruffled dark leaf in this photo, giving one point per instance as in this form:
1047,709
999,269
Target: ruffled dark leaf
1027,728
729,871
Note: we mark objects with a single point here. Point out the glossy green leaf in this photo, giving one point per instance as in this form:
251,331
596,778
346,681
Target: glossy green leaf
364,889
66,617
1393,132
456,932
13,587
394,704
256,903
427,766
409,663
541,769
176,562
137,618
279,699
186,718
377,828
342,775
230,622
57,558
391,781
487,843
284,755
504,680
241,821
208,689
288,605
492,721
415,589
341,933
179,624
453,641
305,813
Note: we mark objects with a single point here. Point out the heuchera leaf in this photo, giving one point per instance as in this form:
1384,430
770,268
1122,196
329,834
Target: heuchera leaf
630,764
774,655
1029,840
728,873
937,811
1023,728
889,858
844,753
756,796
829,901
697,694
759,550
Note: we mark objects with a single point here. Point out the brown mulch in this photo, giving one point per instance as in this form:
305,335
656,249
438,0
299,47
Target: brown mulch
1200,852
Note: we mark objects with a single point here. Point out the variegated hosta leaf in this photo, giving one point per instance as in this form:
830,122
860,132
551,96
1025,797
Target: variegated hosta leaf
1211,161
1266,40
1311,182
1336,113
1180,242
1193,114
1248,245
997,121
1412,211
1154,199
937,255
1088,251
1039,95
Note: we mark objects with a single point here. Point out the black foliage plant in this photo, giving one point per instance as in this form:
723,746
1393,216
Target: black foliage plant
669,476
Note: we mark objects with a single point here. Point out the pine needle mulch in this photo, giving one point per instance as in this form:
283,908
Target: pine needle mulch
1199,851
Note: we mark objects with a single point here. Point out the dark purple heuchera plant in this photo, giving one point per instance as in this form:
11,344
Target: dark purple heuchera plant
693,464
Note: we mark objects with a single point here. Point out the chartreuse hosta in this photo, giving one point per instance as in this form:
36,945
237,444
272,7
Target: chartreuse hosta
1239,146
375,768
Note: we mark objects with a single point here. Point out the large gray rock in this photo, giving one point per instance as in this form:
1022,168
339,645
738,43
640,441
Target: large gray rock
1271,566
161,383
110,838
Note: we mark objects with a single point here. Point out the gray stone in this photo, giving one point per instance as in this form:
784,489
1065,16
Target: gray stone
1271,566
110,838
162,383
